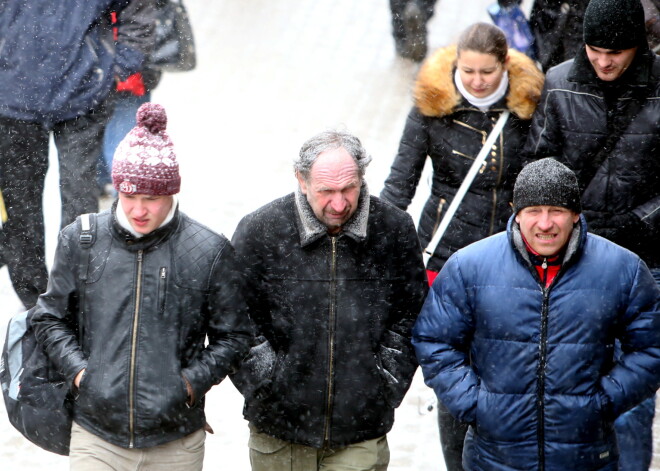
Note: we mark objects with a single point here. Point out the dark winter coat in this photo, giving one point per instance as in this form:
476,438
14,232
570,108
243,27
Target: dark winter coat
333,316
451,131
533,370
149,305
573,122
557,28
59,60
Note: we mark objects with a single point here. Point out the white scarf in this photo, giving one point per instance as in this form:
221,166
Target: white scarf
483,103
123,221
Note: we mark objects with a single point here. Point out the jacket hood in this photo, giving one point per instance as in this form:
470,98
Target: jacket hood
436,95
311,228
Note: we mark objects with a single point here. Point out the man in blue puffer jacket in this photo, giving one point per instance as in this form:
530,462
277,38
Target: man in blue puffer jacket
58,63
517,335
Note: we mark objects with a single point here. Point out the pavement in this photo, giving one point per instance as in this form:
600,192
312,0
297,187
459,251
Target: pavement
269,76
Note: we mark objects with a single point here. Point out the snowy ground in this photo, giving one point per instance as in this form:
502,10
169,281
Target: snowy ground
270,75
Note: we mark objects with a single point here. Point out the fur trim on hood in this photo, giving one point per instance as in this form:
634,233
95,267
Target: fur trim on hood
436,95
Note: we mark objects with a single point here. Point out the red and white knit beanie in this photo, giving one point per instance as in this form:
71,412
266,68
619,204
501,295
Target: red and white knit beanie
144,162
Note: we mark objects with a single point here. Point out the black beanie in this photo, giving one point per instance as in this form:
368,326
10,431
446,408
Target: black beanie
546,182
614,24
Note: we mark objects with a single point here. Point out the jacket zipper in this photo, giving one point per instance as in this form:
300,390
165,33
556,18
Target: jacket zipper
484,136
493,213
540,386
162,289
461,154
544,266
441,205
331,338
131,381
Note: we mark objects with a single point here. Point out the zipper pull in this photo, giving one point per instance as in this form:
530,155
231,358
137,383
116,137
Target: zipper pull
163,271
544,265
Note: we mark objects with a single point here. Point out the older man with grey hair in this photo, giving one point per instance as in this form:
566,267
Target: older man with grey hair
336,280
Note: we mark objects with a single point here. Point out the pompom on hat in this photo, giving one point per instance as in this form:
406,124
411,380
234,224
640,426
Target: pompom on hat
546,182
614,24
144,162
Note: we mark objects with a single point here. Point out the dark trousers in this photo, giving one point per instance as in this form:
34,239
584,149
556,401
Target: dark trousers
452,436
23,166
398,6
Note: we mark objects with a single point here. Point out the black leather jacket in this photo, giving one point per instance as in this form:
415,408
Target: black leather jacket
149,305
333,316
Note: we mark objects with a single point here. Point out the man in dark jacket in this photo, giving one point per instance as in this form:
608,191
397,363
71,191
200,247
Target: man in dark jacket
58,64
517,336
158,286
599,115
336,280
557,28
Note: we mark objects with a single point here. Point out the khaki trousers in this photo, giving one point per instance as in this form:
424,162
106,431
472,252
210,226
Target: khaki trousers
91,453
272,454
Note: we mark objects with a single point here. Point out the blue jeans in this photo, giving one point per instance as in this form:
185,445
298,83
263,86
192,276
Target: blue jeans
121,122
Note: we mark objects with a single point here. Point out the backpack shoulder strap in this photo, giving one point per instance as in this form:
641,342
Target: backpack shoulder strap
86,241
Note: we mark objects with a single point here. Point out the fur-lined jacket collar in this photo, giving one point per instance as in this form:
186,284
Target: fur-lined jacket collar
311,228
436,95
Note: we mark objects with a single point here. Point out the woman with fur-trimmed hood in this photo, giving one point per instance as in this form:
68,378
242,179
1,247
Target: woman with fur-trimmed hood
459,95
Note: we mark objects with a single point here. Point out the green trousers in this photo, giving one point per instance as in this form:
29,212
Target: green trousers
268,453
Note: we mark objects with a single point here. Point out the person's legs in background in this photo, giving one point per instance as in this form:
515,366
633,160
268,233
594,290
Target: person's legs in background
634,432
452,436
634,429
23,166
79,142
409,19
120,123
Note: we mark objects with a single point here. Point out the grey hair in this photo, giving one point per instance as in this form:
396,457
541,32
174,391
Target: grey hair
330,140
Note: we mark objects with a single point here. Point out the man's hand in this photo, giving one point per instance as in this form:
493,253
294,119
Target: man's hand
78,378
189,390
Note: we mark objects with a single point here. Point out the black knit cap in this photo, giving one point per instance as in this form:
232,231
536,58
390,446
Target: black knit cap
546,182
614,24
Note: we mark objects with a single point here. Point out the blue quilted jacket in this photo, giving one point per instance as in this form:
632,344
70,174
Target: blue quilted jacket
59,59
533,369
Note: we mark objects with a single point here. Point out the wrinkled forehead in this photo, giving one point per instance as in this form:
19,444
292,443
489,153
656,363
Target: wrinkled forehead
335,170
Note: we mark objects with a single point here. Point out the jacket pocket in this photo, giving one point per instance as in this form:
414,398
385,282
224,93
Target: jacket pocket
264,443
255,376
396,366
438,215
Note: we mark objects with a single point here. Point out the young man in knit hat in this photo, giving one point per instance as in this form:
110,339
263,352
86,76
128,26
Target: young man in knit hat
599,115
159,284
517,335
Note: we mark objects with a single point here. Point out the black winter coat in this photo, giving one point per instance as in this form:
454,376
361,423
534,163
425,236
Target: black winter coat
558,31
333,316
451,131
573,122
149,306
